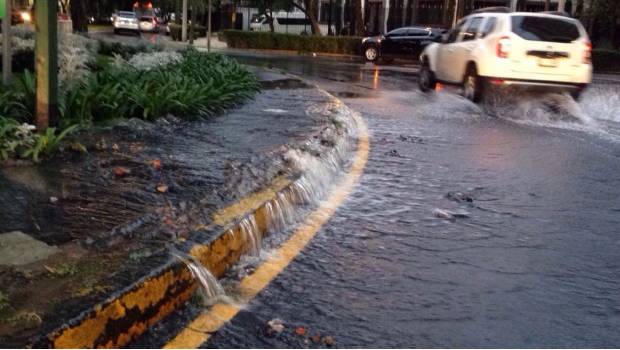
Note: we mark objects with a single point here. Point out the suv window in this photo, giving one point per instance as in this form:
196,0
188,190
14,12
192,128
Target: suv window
397,33
545,29
489,27
418,32
454,33
472,29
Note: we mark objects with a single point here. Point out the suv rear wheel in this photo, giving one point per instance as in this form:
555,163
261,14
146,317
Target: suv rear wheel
473,85
426,78
371,54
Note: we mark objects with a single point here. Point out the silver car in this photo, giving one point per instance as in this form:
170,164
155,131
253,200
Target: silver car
148,23
126,21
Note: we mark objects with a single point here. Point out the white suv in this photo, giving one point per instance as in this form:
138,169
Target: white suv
497,47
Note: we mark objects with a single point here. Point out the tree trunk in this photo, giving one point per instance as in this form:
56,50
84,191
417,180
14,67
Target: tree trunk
193,24
78,16
414,12
271,28
312,6
177,12
359,18
310,12
233,15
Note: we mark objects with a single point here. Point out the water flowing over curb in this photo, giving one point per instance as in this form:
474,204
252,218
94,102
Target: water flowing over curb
316,165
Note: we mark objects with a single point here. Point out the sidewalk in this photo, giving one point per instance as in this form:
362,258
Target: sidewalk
85,249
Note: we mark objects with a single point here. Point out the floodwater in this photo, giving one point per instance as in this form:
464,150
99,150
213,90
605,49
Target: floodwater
473,226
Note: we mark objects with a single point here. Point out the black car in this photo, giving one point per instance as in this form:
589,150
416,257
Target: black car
407,42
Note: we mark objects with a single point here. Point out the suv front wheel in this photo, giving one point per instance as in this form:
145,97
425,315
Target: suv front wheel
426,78
371,53
473,85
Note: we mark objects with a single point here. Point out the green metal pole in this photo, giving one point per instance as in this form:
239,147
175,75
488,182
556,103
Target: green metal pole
6,42
46,61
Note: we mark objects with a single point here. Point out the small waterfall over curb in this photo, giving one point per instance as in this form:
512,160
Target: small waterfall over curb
316,165
249,230
211,289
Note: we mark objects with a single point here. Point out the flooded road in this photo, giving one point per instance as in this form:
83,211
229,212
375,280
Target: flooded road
472,227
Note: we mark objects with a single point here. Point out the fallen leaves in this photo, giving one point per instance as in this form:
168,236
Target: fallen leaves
121,171
300,331
155,163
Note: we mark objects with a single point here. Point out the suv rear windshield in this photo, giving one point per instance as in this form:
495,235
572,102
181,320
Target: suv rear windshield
545,29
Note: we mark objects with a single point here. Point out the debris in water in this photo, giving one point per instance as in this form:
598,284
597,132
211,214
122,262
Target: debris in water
53,200
329,340
155,163
300,331
393,153
275,326
412,139
120,171
316,338
449,215
115,147
460,197
162,188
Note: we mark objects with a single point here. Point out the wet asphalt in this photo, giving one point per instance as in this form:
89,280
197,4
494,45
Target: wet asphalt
531,258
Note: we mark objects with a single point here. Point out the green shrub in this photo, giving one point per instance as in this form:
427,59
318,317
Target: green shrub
303,43
606,60
19,141
176,29
199,85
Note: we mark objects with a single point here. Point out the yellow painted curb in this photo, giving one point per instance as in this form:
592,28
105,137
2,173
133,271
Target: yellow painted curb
200,329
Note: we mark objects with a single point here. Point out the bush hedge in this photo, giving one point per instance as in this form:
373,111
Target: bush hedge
302,43
606,60
175,31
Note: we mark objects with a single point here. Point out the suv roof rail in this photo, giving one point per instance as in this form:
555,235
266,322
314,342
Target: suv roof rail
496,9
557,13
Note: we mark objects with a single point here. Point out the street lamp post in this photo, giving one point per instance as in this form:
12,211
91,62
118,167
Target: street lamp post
184,23
46,63
209,27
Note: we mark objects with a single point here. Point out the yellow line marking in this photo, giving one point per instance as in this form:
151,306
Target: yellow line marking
200,329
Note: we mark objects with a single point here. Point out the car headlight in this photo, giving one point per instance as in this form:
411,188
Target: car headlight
25,16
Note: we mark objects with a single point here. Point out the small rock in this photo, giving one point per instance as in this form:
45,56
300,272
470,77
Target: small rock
329,340
121,171
53,200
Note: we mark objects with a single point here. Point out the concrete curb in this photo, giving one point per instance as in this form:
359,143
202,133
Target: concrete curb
128,313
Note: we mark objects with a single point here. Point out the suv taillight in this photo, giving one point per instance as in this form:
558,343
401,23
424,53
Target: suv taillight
503,47
587,54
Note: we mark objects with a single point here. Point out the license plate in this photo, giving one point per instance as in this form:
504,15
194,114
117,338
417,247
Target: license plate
547,62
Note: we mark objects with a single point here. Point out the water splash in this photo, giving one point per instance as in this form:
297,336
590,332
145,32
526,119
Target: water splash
597,113
211,289
248,228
